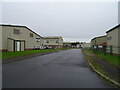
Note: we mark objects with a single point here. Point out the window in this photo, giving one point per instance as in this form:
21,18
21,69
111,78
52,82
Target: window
47,41
31,35
16,31
37,38
57,41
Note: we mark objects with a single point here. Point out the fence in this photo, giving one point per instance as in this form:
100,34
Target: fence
106,49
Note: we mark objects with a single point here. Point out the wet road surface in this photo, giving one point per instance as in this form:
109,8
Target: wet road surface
64,69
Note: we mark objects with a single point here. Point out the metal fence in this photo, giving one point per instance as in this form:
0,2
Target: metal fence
106,49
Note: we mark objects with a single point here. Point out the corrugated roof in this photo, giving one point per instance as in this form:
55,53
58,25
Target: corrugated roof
51,37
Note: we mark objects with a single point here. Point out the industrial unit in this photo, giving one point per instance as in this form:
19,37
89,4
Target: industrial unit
113,40
19,38
53,42
85,45
99,41
72,44
76,45
110,41
67,44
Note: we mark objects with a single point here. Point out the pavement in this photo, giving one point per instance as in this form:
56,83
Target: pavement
64,69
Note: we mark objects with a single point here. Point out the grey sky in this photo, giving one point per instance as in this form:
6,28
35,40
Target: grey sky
73,21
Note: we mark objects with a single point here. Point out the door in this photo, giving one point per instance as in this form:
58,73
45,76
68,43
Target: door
22,46
17,46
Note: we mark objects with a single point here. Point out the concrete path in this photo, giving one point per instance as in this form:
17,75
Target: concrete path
64,69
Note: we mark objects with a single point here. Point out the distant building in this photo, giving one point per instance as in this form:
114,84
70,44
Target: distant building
67,44
53,42
72,44
85,45
19,38
113,40
99,41
75,45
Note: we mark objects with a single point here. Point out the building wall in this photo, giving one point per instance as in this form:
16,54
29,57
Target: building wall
10,45
8,32
119,38
85,45
92,43
0,38
98,40
101,40
53,42
112,40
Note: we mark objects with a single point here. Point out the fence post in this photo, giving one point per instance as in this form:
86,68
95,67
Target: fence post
93,48
97,49
104,50
111,49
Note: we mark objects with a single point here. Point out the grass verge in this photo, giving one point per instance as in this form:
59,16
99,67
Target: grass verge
6,55
96,66
113,59
0,55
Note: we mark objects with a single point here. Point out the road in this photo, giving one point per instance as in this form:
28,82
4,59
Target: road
64,69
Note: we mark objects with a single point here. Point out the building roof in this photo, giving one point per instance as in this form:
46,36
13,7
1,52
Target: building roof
113,28
52,37
21,27
67,42
98,37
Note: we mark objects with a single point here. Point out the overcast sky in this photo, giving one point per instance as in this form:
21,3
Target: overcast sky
74,21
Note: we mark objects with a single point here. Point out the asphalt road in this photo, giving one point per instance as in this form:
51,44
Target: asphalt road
64,69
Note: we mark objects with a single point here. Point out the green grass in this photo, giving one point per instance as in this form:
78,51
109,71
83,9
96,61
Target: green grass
6,55
0,55
111,58
114,59
96,66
